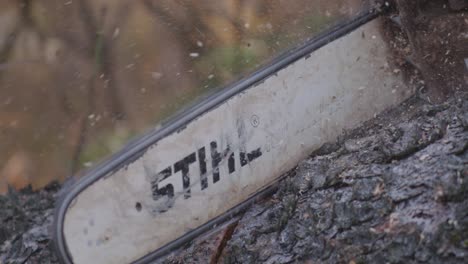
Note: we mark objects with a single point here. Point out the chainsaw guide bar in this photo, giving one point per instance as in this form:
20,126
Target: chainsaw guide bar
213,160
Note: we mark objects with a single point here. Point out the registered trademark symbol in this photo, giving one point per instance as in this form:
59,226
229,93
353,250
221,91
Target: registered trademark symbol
255,121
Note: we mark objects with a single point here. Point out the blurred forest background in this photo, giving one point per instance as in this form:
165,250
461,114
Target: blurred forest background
80,78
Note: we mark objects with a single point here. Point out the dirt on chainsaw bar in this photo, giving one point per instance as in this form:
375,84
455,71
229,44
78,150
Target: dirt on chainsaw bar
394,190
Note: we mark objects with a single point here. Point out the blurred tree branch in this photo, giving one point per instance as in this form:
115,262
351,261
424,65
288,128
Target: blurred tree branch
185,27
103,62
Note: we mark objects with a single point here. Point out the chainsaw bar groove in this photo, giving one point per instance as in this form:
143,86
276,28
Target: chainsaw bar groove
217,158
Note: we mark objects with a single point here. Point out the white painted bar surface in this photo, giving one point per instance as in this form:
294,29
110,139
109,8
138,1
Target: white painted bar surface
287,116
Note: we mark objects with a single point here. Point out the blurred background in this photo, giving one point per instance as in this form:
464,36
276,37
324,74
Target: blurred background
80,78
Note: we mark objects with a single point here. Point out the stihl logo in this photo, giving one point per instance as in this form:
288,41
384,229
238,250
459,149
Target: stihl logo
183,166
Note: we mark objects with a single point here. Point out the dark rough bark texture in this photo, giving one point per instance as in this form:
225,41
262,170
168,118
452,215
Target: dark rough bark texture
395,191
25,219
392,191
458,4
438,43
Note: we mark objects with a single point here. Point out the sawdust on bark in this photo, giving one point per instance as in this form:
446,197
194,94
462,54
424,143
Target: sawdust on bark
436,36
393,191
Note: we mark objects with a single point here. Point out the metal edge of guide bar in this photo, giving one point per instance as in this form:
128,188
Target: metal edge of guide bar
135,149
